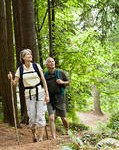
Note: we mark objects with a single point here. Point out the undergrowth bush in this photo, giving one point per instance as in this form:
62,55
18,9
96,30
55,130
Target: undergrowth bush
114,121
78,126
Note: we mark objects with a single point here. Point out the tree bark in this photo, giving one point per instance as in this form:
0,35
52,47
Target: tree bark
19,47
25,37
50,30
17,28
96,98
38,29
28,27
4,64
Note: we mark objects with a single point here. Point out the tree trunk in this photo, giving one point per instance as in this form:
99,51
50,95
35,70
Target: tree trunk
19,47
10,47
4,65
38,29
28,27
17,28
50,29
25,37
54,48
10,35
96,98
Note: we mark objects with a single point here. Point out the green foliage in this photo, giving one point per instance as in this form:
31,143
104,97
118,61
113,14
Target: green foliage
104,131
78,127
76,141
80,41
74,126
114,121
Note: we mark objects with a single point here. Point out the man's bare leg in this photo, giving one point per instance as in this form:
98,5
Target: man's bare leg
65,123
52,126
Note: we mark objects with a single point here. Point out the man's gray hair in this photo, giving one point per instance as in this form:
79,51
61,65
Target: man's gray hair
46,62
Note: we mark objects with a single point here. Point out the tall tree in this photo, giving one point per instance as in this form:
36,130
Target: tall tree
96,98
10,45
50,29
4,65
25,37
39,26
28,27
17,28
53,32
10,34
24,25
19,47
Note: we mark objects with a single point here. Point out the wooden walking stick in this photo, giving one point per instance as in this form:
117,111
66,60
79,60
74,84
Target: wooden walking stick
13,105
46,131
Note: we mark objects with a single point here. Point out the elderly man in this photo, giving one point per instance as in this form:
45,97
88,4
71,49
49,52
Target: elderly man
56,82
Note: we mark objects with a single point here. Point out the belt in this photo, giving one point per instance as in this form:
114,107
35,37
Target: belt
32,87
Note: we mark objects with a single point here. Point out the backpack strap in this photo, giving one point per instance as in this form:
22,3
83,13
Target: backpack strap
38,72
57,75
46,74
36,69
21,75
21,69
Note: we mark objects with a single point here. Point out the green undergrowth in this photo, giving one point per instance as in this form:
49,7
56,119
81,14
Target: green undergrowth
88,139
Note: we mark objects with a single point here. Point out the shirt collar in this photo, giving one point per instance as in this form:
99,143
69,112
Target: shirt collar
29,67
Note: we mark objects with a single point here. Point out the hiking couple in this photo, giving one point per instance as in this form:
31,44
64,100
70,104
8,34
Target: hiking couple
42,92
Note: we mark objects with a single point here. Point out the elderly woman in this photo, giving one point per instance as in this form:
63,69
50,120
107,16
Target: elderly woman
36,94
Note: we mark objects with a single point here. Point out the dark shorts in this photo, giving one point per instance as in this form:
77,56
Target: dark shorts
60,106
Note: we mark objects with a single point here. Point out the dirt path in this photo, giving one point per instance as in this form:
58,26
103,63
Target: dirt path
8,140
92,120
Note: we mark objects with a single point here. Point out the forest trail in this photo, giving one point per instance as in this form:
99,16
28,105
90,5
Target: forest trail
8,140
92,120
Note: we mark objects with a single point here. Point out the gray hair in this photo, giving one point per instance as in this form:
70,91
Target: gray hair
23,53
47,60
